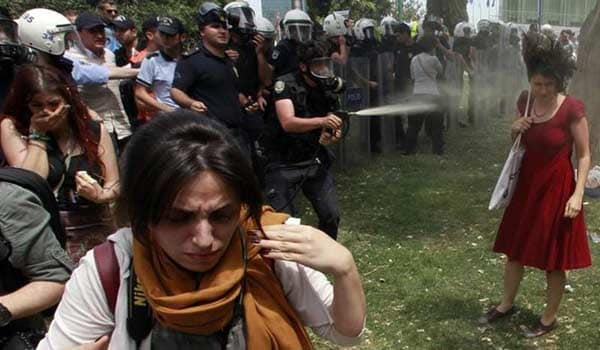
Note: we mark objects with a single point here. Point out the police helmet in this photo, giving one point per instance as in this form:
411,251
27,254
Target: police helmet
334,26
387,25
463,30
44,30
209,12
264,27
241,17
483,25
297,25
364,29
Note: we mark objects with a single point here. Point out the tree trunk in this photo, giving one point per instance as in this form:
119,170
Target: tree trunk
452,11
585,82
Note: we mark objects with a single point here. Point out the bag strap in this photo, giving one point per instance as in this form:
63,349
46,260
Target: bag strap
517,143
108,270
39,186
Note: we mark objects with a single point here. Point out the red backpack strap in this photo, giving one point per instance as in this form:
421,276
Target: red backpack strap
108,270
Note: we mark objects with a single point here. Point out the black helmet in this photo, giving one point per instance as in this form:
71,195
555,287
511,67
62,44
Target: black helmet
209,12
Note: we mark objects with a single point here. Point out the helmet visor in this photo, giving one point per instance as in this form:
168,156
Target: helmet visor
242,18
321,68
369,33
8,32
301,32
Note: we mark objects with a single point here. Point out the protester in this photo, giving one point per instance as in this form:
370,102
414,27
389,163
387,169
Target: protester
543,226
150,41
34,267
102,98
426,69
215,267
153,88
49,131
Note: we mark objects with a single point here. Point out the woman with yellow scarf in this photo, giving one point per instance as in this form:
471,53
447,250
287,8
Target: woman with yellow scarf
217,270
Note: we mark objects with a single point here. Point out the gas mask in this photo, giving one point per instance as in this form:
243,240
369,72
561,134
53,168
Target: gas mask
11,53
321,72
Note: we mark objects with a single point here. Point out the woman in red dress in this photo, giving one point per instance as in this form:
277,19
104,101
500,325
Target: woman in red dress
543,226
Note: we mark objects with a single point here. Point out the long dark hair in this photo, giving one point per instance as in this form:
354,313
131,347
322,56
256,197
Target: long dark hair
544,55
33,79
166,154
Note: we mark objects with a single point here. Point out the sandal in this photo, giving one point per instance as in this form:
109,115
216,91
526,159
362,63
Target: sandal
539,329
494,315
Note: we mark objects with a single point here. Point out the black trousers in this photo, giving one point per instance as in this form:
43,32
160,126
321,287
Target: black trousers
283,182
434,122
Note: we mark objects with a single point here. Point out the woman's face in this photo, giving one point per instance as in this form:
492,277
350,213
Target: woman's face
196,231
44,104
543,87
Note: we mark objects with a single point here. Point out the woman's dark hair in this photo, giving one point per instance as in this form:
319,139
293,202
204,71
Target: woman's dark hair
427,43
544,56
33,79
169,152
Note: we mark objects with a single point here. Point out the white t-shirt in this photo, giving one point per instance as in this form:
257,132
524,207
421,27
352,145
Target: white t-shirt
84,316
424,69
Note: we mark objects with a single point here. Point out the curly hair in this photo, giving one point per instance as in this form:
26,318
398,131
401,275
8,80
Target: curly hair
544,55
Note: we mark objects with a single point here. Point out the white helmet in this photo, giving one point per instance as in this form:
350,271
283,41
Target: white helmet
387,25
364,29
240,16
547,29
297,25
483,25
464,30
44,30
264,27
333,25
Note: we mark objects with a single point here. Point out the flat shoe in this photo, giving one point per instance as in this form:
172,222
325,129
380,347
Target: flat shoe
494,315
539,329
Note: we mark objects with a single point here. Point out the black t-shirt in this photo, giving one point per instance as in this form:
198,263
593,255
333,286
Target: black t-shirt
212,80
404,56
308,103
247,69
284,58
121,58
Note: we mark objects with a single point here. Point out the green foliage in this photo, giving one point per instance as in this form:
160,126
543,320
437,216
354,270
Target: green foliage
375,9
412,10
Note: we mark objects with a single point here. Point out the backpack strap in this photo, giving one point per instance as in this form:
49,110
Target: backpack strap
108,270
39,186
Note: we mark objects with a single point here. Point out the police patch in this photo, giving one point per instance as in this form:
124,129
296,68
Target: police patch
275,54
279,86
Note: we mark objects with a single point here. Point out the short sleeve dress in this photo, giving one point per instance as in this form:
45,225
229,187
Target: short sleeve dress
534,231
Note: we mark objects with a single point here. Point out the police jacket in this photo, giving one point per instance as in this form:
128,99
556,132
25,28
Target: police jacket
308,102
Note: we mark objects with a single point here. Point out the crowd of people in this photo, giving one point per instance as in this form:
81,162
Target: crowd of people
175,149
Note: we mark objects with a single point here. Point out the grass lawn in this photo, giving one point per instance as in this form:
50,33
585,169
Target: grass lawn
421,234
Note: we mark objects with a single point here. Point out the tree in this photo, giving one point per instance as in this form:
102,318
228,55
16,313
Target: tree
375,9
585,81
411,10
452,11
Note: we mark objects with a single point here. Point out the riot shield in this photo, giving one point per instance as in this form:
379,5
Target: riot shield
354,148
385,127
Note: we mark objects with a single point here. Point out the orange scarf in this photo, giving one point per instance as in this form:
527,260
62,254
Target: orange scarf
270,321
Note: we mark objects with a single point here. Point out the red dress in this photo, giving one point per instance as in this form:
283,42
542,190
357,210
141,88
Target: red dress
534,231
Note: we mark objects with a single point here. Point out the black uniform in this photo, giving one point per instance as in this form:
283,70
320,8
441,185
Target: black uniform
284,58
213,80
297,160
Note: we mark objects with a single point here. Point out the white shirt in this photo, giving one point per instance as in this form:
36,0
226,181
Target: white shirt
84,316
424,69
104,99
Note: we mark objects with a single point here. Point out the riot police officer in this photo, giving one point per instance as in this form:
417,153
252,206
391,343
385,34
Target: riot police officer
11,53
297,126
297,28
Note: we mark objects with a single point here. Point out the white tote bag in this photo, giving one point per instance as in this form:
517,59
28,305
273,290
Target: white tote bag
505,187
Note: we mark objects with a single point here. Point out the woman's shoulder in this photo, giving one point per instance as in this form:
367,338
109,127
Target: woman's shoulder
574,107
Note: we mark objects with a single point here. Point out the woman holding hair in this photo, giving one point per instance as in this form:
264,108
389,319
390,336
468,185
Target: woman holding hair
543,226
217,269
47,129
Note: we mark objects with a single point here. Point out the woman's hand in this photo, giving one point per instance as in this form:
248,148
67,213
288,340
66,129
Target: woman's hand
521,125
305,245
100,344
44,121
88,187
573,207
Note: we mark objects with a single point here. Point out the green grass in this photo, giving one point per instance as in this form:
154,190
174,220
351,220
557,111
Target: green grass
421,235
